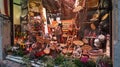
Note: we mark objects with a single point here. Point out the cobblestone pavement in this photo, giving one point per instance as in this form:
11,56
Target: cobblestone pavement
7,63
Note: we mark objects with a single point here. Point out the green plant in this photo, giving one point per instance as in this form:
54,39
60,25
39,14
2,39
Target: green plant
89,63
20,52
50,62
43,58
26,61
78,63
67,63
59,60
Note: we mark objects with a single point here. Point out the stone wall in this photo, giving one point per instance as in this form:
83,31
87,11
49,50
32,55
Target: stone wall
4,35
1,54
119,19
116,18
116,21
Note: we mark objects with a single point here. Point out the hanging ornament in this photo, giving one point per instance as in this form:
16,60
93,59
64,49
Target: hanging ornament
101,37
93,27
97,43
105,16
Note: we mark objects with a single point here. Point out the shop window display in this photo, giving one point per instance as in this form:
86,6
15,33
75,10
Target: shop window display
75,29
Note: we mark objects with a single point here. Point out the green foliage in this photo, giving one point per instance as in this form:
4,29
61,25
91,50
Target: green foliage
50,65
27,61
50,62
59,60
90,63
19,52
67,63
43,58
78,63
